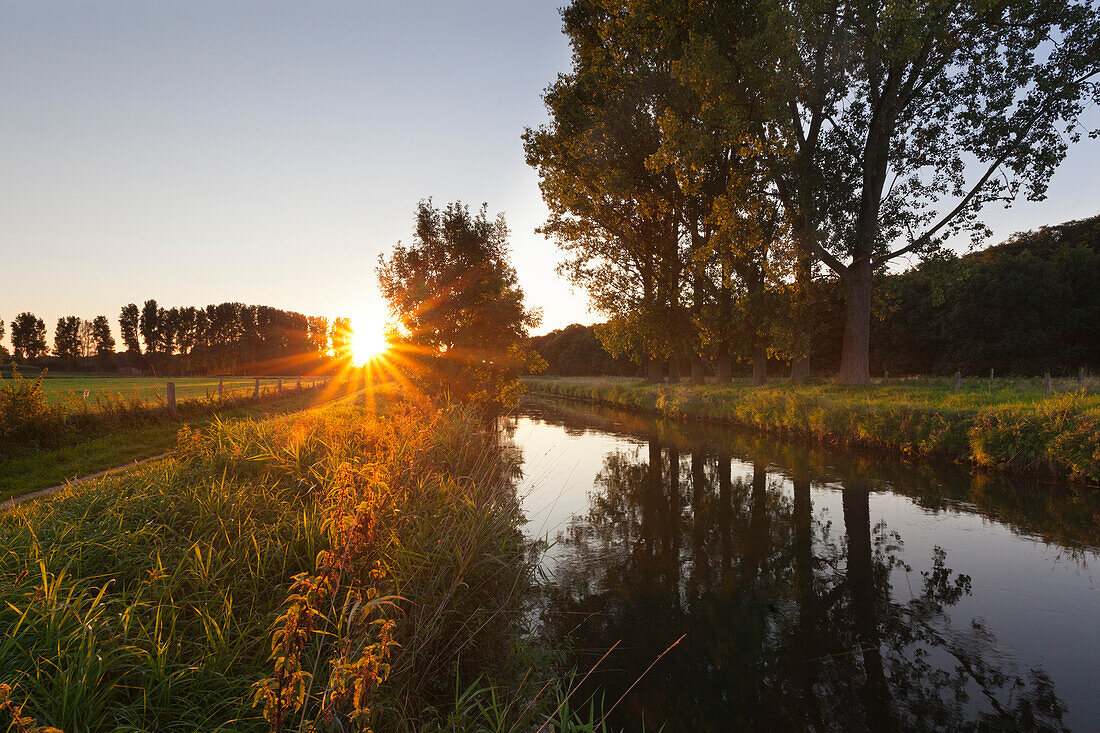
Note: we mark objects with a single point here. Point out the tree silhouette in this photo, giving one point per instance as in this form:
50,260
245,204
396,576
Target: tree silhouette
458,301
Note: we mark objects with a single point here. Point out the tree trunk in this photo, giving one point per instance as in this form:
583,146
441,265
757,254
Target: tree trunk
756,541
861,584
654,373
759,365
856,355
800,370
725,364
725,512
800,362
673,370
672,522
698,370
700,577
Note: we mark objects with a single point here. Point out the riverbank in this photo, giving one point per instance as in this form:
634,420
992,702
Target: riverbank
352,563
1004,425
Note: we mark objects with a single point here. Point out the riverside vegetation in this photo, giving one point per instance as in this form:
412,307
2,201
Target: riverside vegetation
1006,425
354,565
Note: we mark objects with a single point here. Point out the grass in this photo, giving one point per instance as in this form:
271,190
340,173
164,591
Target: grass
24,471
1005,424
69,389
341,568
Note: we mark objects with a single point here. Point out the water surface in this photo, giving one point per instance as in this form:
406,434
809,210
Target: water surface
812,589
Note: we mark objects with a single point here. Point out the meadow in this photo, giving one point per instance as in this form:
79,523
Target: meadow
46,442
1003,424
66,388
356,563
23,470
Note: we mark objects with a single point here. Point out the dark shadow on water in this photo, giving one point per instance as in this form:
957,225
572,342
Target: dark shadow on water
791,614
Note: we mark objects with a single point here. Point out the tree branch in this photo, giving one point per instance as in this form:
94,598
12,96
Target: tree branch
1021,137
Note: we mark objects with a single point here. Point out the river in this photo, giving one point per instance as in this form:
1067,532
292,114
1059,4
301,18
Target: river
812,589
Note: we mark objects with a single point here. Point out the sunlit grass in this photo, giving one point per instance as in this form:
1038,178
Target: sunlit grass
151,600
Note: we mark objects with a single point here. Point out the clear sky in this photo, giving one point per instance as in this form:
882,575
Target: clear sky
264,151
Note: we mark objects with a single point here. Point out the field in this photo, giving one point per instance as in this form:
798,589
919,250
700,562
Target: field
49,442
363,564
24,471
1011,425
66,387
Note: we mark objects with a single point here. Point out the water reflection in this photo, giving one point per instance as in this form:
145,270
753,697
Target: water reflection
795,617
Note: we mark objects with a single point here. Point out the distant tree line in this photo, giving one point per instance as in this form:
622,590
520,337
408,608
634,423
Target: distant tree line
1028,306
1024,307
227,338
576,351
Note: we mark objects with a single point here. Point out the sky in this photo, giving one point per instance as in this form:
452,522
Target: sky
265,151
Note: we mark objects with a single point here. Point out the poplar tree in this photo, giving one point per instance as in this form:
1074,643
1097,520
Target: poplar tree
128,321
66,338
101,334
28,336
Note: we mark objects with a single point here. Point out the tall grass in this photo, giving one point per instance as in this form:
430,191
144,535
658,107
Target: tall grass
338,569
1004,426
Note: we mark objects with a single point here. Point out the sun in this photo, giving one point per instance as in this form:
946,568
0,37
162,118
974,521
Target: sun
368,340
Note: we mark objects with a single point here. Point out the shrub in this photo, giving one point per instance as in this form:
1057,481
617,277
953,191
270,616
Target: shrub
24,413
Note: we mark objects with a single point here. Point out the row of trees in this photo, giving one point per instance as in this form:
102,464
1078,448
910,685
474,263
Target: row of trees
74,338
705,163
1027,306
223,338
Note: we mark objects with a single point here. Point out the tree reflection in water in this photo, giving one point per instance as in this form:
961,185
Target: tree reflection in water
791,623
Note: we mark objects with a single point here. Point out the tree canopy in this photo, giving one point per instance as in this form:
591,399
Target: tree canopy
852,133
28,336
457,300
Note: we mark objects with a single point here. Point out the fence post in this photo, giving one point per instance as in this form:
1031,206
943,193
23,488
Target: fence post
172,397
279,385
958,380
886,376
1050,384
221,388
299,383
256,390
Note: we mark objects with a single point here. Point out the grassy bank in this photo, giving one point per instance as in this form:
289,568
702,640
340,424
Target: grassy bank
332,570
1002,425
